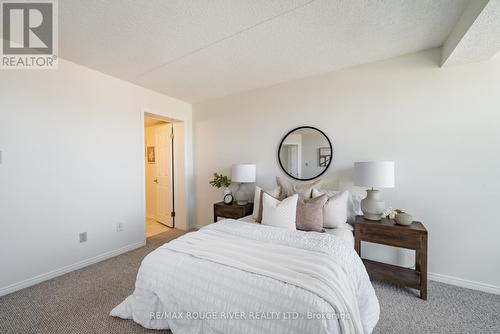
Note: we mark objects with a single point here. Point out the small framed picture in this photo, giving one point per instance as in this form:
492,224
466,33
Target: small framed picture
150,152
325,155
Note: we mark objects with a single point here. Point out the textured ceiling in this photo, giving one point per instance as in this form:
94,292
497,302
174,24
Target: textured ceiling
196,49
476,36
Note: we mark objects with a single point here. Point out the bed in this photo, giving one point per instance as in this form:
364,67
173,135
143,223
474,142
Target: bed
243,277
344,232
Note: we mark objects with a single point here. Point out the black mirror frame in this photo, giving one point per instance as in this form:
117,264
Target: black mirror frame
298,128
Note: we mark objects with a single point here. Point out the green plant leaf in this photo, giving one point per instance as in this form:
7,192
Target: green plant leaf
220,181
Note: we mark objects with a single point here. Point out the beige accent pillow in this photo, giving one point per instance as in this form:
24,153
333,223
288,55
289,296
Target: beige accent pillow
335,209
303,189
310,213
279,213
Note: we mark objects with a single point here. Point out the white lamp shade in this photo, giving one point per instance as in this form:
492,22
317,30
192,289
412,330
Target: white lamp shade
376,174
243,173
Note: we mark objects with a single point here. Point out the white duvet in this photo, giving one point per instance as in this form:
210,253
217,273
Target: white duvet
219,280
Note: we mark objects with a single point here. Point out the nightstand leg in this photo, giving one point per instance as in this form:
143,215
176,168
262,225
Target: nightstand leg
357,246
421,266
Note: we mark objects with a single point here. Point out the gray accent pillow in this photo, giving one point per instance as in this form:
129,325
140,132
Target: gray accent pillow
310,213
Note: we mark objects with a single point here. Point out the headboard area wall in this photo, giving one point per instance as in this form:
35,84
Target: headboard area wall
405,110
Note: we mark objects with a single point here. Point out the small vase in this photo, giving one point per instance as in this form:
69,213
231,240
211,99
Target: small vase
404,219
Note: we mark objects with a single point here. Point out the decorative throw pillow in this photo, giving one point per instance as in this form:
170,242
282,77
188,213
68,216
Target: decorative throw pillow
303,189
257,201
353,203
279,213
335,209
310,213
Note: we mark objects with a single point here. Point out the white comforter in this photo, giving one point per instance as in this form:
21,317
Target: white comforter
199,290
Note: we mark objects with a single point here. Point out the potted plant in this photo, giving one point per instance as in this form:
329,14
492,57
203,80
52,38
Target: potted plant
221,181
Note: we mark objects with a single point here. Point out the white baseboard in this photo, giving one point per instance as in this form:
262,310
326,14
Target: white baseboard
464,283
66,269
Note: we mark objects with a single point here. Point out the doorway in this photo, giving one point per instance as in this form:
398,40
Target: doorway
159,175
291,155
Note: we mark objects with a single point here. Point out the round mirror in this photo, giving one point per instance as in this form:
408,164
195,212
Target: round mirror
305,153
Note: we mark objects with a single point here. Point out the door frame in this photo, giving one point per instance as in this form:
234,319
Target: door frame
178,158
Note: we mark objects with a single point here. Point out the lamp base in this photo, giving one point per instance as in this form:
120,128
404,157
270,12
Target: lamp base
241,195
373,206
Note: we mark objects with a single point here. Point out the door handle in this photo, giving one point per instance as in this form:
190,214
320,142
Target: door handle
155,180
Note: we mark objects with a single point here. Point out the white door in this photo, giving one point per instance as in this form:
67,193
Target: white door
163,143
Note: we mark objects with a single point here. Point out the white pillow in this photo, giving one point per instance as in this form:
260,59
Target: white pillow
279,213
354,206
256,200
335,209
353,203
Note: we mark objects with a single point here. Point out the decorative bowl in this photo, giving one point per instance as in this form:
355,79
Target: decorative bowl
404,219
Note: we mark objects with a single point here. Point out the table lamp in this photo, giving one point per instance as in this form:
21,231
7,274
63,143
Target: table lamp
242,173
373,174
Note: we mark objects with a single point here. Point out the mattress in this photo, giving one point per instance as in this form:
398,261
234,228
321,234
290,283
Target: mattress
344,232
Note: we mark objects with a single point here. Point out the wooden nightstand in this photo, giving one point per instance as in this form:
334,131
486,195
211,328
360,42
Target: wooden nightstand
234,210
387,232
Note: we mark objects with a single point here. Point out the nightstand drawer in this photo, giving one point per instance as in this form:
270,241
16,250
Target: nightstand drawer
233,211
230,211
390,238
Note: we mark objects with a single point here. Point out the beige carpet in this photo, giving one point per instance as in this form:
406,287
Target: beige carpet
80,302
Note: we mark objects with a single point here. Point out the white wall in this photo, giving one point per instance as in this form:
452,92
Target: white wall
440,126
72,161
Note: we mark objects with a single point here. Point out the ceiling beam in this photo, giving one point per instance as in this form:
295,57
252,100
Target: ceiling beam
476,36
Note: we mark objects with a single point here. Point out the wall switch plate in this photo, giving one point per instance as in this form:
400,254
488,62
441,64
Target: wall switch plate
119,227
83,236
